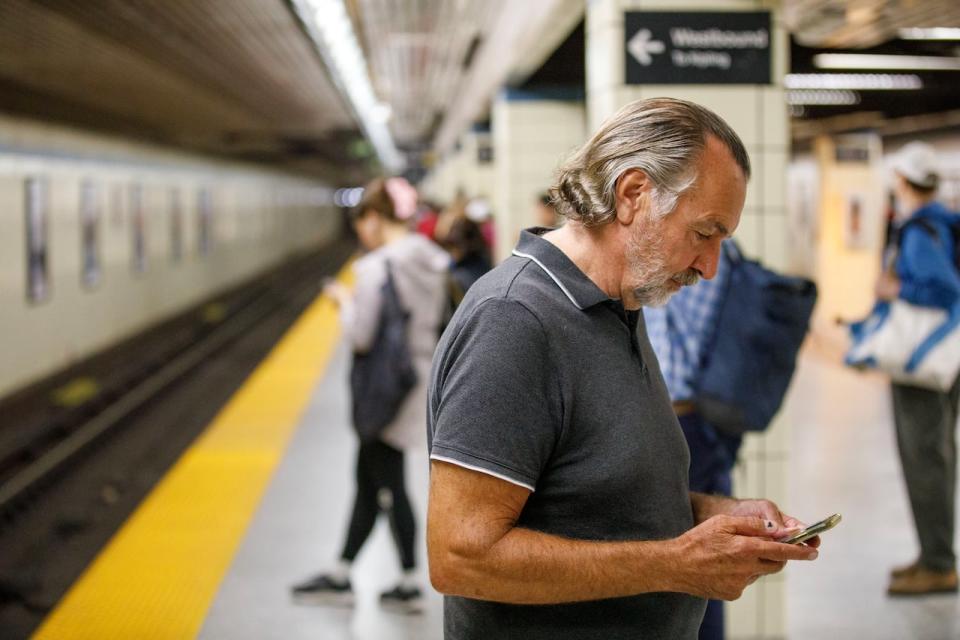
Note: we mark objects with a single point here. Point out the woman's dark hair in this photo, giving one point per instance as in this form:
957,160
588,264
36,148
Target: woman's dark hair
466,238
376,198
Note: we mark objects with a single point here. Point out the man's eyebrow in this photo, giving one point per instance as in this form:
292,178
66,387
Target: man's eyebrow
719,227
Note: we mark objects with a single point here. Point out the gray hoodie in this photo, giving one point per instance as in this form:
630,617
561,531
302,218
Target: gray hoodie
419,269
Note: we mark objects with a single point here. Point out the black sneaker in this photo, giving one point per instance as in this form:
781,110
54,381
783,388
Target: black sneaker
324,589
402,600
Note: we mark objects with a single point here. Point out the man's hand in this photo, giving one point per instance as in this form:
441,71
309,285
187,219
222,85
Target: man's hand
779,525
721,557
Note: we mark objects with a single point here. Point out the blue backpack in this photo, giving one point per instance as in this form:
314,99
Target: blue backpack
762,321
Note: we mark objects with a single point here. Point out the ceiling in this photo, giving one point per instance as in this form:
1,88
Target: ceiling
244,79
231,77
857,24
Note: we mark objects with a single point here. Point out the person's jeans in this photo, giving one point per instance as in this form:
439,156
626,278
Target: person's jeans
712,456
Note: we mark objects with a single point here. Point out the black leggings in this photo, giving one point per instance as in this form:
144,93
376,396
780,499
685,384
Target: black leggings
380,469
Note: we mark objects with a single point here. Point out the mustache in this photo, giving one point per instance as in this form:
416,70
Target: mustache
687,278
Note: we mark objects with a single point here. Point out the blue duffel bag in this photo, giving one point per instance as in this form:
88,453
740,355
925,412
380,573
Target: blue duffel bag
762,320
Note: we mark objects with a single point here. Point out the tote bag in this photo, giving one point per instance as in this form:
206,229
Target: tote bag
382,378
916,346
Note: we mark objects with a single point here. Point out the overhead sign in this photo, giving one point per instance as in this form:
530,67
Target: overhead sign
697,48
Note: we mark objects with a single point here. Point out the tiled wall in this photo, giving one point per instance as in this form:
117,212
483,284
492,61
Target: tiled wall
759,114
530,140
460,169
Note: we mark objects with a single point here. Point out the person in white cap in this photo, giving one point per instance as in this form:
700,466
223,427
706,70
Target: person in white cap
923,272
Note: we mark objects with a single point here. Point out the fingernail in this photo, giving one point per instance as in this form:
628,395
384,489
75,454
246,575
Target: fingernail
813,554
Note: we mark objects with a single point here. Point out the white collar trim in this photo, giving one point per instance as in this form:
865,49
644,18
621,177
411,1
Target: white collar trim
552,277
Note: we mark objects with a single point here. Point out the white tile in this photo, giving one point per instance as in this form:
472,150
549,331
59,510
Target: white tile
775,487
776,254
780,49
777,436
605,57
774,178
600,14
776,121
774,608
755,185
737,105
748,476
748,233
742,615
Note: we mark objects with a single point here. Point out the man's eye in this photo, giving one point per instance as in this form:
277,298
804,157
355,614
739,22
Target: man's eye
703,236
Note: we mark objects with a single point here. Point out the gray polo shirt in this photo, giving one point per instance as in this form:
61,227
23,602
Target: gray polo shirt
543,381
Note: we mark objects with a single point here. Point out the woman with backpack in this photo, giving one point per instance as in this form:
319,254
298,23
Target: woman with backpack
403,267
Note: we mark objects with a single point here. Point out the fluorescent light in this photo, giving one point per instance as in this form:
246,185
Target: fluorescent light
872,61
932,33
862,81
823,98
331,30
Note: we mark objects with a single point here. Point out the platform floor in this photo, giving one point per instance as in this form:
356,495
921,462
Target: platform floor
842,460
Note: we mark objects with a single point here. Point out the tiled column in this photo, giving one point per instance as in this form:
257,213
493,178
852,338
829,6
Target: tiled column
759,115
531,137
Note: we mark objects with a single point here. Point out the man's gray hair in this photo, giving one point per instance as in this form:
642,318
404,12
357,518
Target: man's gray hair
663,137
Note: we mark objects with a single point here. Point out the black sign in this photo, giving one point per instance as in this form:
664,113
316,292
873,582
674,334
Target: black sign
697,48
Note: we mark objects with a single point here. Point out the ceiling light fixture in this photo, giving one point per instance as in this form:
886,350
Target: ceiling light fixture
823,98
861,81
931,33
332,32
873,61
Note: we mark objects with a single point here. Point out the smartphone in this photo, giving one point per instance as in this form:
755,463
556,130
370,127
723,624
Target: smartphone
813,530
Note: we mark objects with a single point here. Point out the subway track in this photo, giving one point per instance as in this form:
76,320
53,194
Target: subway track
70,477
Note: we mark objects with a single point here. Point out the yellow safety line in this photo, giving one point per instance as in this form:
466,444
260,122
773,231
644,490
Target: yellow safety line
159,574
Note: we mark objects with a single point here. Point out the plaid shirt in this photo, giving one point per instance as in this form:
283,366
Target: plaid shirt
681,330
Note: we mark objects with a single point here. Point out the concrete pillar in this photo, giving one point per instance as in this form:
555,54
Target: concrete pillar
532,135
759,115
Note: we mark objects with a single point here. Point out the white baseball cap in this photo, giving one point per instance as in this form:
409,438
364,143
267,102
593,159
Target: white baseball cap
917,162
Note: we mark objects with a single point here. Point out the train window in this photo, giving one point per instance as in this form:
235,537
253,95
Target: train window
116,206
36,212
90,271
204,221
176,227
138,226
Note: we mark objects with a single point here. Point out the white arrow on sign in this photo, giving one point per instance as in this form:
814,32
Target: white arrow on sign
641,46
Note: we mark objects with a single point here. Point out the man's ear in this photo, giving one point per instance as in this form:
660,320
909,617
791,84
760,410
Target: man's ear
632,193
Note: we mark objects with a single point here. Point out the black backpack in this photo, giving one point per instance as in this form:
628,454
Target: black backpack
382,378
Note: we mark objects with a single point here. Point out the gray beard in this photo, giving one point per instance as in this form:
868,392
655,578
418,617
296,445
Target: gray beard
648,265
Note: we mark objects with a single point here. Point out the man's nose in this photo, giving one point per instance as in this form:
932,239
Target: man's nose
706,262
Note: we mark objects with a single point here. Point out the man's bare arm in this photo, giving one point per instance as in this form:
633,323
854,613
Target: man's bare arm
476,550
706,506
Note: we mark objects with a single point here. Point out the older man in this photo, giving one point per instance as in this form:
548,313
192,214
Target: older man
559,501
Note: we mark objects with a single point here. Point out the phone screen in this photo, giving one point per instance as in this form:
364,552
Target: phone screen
813,530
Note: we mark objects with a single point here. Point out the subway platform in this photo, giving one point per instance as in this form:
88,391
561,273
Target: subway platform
261,502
